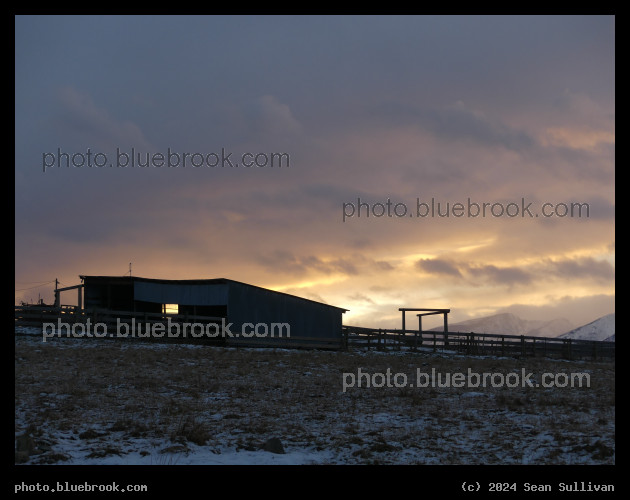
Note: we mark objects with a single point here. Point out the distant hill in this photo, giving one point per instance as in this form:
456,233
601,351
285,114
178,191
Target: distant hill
600,329
510,324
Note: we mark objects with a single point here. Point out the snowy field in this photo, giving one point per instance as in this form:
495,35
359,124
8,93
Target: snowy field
100,401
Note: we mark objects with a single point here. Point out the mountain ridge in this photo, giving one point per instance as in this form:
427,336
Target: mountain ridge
510,324
601,329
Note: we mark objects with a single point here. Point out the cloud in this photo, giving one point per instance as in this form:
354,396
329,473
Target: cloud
578,138
270,121
300,292
289,263
460,122
500,275
277,113
438,266
333,196
584,267
359,297
384,265
455,122
598,208
285,262
580,107
82,122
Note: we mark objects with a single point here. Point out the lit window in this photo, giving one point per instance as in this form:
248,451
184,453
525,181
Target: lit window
170,308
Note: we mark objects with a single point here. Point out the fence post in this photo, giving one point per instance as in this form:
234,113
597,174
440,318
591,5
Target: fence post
522,345
533,348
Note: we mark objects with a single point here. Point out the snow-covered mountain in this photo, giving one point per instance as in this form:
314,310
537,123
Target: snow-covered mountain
510,324
600,329
550,328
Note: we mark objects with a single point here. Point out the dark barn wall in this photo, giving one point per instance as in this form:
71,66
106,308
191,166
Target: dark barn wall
239,302
201,310
147,307
249,304
114,294
192,294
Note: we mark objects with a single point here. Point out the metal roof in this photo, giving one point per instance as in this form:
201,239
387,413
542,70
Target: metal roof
211,281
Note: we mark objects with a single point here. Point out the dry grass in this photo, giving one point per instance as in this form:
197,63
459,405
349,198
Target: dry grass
101,390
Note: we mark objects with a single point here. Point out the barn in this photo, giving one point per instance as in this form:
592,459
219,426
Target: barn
246,307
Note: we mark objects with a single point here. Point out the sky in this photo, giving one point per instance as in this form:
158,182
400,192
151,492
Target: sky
370,121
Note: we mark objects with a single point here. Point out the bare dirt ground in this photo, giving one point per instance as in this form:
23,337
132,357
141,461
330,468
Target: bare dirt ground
100,401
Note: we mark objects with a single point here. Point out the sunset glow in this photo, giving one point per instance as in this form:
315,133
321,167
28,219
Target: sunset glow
465,110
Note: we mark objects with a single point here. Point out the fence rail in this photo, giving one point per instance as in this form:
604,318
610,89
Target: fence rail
478,343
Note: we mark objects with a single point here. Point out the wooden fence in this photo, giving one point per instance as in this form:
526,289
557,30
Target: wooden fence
478,343
207,330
